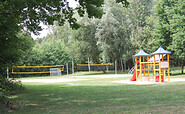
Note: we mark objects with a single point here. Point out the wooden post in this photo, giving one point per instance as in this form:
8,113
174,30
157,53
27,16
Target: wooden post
159,68
136,68
144,65
163,69
140,69
168,58
148,69
154,70
163,74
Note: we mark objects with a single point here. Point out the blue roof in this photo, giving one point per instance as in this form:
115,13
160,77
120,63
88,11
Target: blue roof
160,51
141,53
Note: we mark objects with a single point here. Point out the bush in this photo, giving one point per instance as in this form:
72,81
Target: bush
9,87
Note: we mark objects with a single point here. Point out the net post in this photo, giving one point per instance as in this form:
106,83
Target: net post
72,67
67,68
89,65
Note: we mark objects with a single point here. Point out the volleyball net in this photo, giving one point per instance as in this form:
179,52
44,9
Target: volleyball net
37,69
94,67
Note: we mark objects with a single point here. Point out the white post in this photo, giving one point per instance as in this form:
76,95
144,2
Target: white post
7,70
67,68
89,65
116,67
72,67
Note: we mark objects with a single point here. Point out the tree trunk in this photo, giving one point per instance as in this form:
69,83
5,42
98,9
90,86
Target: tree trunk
182,68
121,63
125,65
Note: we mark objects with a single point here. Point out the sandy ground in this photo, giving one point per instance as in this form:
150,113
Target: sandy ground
105,76
70,80
52,80
144,82
147,82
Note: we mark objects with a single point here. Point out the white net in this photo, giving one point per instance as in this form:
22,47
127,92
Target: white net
55,72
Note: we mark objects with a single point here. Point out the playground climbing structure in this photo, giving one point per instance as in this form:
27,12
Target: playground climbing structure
157,63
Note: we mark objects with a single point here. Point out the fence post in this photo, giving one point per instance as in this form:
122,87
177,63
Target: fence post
89,65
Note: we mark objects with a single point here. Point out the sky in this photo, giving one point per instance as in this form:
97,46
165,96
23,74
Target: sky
45,31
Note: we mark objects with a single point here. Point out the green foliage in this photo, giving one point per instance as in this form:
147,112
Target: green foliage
88,43
28,14
102,40
118,35
9,87
140,24
47,53
169,31
12,48
162,31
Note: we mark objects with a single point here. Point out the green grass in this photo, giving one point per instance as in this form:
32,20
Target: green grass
176,70
100,95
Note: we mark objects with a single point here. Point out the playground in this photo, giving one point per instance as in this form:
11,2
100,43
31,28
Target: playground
159,64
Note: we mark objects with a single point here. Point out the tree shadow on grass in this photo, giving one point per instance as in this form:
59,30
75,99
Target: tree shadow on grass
76,99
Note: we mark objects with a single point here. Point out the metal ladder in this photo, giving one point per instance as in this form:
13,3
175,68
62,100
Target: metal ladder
131,70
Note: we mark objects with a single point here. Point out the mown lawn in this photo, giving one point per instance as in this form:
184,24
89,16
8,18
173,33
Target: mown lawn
100,95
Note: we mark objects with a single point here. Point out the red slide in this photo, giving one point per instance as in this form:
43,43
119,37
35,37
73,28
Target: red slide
134,76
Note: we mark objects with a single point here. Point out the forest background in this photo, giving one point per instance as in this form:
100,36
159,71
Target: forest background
119,34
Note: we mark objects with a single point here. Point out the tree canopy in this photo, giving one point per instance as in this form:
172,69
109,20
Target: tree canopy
116,32
170,27
26,15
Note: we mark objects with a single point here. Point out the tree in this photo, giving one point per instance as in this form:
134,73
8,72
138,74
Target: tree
13,48
112,33
137,15
169,31
177,28
162,31
26,14
86,35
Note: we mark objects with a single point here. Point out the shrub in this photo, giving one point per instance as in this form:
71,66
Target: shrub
9,87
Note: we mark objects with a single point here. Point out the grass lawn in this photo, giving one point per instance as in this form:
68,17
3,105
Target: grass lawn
100,95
